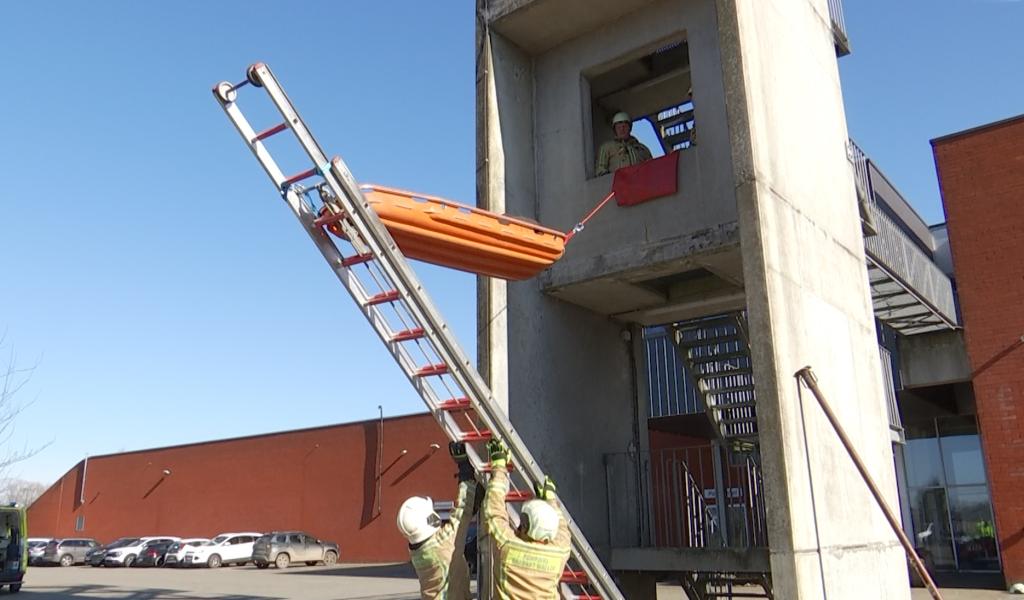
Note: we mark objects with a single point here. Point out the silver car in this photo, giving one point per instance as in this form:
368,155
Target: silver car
67,552
282,548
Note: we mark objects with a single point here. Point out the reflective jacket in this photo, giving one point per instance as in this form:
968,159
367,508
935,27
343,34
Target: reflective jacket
439,561
524,570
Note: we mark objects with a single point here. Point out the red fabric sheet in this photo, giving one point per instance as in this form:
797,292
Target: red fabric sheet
646,181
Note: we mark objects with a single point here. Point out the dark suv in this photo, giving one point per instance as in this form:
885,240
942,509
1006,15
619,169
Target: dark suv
282,548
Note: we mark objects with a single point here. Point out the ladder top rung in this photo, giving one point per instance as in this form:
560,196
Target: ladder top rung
456,404
383,297
408,334
269,132
427,371
475,436
356,259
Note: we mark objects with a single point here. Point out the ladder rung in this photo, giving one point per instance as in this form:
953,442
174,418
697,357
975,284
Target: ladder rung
730,390
356,259
475,436
731,405
329,219
708,341
427,371
456,404
487,468
570,576
408,334
298,177
383,297
518,496
269,132
586,596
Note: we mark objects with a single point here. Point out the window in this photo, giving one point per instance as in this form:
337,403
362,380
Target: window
654,88
80,523
295,539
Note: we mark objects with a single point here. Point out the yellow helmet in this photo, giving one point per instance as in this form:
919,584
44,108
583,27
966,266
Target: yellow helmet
621,117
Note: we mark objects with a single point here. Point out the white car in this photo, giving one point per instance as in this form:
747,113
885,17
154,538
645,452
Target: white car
225,549
175,556
125,556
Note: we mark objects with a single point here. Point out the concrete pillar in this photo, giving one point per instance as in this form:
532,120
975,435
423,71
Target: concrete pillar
808,303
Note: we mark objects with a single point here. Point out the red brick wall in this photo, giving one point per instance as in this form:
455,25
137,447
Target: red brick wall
981,174
319,480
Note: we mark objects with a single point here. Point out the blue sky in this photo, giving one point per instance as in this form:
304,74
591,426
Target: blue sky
167,296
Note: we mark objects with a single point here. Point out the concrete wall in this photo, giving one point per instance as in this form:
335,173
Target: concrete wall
933,359
808,303
321,480
628,239
982,185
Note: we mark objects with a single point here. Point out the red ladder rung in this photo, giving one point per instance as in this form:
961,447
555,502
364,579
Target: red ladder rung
587,596
269,132
383,297
570,576
518,496
475,436
356,259
429,370
329,219
408,334
489,469
456,404
298,177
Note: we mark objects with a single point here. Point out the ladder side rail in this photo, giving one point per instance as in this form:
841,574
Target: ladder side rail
376,236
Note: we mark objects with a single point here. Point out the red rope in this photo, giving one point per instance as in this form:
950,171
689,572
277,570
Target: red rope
579,226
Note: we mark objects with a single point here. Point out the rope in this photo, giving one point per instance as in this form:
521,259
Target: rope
579,226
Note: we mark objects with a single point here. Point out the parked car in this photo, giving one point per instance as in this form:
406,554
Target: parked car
225,549
152,554
282,548
94,557
176,553
125,556
36,546
66,552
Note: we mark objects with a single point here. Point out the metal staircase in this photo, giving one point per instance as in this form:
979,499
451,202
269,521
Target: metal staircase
716,353
390,296
675,126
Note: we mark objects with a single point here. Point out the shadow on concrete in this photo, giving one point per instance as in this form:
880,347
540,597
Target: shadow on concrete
109,591
981,581
389,571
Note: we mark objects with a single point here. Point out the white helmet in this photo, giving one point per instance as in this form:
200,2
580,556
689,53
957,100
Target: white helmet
621,117
417,520
542,520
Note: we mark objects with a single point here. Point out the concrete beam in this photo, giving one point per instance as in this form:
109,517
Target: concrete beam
933,359
674,560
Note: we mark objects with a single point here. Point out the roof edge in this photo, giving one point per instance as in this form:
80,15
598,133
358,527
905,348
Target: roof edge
977,129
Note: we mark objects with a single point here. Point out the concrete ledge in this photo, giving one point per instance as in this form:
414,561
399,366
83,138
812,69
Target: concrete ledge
749,560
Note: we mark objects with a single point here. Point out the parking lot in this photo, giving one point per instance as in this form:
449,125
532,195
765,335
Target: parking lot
337,582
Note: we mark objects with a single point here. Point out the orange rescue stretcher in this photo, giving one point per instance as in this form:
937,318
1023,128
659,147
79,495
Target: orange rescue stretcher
463,237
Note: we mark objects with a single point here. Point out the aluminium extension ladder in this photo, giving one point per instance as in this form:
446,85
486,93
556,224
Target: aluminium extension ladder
390,296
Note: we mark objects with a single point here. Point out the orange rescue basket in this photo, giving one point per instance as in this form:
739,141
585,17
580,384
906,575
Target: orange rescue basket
463,237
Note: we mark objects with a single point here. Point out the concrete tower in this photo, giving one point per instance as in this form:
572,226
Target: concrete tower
765,220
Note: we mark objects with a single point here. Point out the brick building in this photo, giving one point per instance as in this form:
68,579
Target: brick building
981,174
340,482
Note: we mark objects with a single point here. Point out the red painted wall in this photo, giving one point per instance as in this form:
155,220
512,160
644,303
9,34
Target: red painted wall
321,480
981,175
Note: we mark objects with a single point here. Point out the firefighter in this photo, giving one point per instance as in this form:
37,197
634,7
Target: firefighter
530,559
436,549
624,150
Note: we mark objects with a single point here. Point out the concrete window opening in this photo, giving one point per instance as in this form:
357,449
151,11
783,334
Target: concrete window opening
654,89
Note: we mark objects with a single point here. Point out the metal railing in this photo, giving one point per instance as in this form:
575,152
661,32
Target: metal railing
889,383
685,498
670,389
835,13
862,181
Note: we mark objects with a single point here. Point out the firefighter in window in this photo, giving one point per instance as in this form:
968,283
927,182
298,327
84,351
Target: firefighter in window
624,150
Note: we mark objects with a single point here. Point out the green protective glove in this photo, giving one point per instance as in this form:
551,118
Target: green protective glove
498,452
545,490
